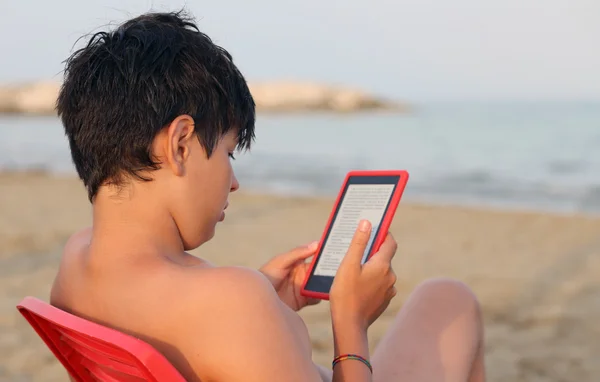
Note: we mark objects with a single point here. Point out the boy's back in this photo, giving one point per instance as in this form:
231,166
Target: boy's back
182,306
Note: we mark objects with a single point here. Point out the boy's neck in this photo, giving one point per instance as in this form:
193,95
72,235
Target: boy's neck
138,224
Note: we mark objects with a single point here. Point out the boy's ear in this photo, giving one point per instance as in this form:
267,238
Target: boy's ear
179,139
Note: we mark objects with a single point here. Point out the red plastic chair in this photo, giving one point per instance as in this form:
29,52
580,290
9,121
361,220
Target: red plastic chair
92,352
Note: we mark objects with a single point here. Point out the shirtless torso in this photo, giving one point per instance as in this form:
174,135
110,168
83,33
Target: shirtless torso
155,305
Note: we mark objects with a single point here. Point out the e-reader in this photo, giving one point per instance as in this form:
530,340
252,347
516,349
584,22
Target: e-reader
371,195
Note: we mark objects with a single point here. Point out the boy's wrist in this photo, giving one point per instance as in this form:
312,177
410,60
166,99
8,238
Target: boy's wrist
347,321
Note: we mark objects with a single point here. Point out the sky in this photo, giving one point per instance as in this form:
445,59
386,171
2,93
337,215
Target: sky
414,50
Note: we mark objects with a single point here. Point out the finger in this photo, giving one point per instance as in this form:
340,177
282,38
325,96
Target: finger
388,248
300,273
393,278
286,260
312,301
305,268
357,247
392,292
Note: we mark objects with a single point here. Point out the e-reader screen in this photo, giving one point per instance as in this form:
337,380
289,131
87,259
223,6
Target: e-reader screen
365,197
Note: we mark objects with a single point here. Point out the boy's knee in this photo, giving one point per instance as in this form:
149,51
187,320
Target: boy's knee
449,293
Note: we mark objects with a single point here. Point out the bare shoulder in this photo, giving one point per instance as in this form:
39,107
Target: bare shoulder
75,245
71,251
79,239
231,279
228,291
242,332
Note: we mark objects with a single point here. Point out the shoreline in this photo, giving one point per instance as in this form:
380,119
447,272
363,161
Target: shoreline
498,207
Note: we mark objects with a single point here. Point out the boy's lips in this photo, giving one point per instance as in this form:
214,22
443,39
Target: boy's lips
222,217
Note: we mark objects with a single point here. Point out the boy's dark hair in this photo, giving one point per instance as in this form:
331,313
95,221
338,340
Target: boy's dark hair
126,85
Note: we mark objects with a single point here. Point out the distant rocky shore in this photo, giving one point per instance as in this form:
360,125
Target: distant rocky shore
38,98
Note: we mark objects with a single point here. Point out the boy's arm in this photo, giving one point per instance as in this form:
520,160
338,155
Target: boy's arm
249,337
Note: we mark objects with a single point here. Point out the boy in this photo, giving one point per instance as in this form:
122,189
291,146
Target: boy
154,112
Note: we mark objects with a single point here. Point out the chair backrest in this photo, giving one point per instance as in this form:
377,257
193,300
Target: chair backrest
92,352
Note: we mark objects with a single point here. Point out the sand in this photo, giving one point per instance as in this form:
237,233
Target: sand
537,275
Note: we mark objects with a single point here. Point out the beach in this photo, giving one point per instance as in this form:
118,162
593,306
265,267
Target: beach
537,275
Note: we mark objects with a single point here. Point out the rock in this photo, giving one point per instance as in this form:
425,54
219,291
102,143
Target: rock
310,96
275,96
34,98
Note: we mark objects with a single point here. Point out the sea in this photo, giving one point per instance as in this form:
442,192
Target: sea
516,156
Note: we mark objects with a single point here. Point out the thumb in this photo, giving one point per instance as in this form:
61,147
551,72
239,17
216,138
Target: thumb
357,247
290,258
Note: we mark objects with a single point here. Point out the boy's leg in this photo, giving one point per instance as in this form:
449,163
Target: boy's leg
436,336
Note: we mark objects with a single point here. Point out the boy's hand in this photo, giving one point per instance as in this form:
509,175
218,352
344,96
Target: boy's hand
287,273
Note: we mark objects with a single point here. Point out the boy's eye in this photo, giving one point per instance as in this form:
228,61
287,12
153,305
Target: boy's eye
231,156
